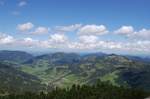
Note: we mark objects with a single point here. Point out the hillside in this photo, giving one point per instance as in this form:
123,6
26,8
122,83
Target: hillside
63,69
13,80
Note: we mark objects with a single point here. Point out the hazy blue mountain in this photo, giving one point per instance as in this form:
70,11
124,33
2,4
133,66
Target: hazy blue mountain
138,58
56,58
14,56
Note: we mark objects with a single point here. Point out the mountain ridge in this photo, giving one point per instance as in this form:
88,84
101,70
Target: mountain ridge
64,69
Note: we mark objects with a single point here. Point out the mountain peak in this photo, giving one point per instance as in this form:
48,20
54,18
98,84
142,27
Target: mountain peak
118,58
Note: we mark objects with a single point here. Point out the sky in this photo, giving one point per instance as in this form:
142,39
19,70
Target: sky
111,26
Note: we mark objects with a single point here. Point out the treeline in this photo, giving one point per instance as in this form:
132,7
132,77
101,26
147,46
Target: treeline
101,90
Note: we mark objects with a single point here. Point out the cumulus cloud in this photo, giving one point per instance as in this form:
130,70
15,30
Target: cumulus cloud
128,31
99,45
25,27
28,39
93,30
40,30
64,29
60,41
125,30
58,38
29,42
22,3
28,28
138,46
6,39
142,34
88,39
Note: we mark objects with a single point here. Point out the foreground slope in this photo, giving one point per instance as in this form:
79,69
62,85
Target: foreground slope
100,90
13,80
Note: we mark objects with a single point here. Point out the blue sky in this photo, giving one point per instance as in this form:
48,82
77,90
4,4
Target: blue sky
113,26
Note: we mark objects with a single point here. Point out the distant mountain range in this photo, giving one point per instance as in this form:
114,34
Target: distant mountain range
21,70
15,56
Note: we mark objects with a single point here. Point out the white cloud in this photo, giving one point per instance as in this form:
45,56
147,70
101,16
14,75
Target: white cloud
6,39
29,42
60,41
142,34
22,3
28,39
131,47
99,45
93,30
128,31
25,27
32,43
64,29
58,38
125,30
88,39
40,30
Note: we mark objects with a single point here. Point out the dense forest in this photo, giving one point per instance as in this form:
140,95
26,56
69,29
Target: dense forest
100,90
